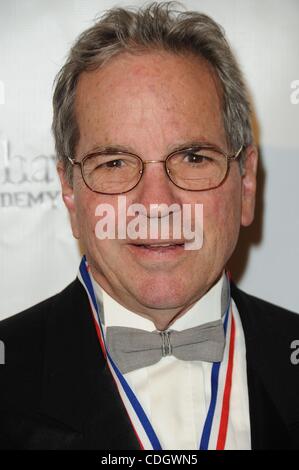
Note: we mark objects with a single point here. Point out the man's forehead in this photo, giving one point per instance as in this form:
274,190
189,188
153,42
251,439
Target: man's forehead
149,70
178,105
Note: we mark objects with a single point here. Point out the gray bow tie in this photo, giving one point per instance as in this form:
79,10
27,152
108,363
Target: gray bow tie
133,349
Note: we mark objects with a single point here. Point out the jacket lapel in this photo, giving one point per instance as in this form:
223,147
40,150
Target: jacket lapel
266,365
78,388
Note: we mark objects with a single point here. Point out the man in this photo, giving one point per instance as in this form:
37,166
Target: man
152,346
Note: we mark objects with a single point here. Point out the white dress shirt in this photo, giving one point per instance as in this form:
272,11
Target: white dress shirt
176,394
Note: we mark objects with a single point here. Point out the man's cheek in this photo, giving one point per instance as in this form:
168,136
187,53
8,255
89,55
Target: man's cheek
220,220
86,223
214,214
109,251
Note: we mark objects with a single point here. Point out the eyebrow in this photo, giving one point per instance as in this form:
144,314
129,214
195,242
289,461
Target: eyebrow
128,149
110,148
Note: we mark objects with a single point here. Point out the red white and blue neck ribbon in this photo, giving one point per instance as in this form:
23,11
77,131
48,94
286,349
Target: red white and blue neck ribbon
216,424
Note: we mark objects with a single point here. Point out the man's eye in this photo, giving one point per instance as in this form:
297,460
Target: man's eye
195,158
112,164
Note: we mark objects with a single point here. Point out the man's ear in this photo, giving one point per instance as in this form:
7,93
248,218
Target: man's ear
249,185
68,199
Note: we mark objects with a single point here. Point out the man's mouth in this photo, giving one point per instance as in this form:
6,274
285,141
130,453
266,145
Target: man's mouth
158,247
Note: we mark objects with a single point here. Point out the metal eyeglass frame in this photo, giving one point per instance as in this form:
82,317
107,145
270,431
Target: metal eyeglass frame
229,159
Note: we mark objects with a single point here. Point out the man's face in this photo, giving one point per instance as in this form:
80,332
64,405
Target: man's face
149,104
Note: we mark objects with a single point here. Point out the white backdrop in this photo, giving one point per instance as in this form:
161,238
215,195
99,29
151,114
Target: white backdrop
38,256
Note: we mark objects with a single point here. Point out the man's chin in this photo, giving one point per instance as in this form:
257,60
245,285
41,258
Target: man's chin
161,298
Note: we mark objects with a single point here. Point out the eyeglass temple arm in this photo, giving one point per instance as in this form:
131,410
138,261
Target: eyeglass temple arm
234,157
73,162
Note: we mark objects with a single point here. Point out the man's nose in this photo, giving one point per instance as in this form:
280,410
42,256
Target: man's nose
155,187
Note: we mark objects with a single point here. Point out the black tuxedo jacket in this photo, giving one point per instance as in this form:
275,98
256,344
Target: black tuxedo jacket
56,391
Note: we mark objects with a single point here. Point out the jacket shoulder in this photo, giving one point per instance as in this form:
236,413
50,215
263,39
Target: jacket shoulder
264,313
27,321
24,334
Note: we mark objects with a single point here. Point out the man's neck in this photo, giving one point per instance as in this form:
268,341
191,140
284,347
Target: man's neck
162,318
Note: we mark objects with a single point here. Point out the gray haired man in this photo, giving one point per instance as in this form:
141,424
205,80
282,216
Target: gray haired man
152,346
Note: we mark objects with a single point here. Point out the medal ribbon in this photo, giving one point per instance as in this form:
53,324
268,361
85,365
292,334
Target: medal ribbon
142,427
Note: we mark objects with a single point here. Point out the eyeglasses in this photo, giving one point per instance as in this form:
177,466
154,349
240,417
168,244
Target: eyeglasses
198,168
